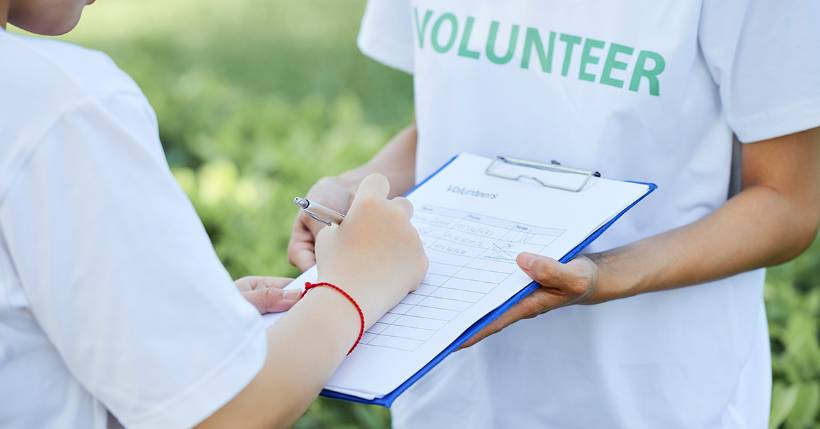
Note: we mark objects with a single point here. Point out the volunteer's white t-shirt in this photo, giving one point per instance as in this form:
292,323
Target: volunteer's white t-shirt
647,90
111,297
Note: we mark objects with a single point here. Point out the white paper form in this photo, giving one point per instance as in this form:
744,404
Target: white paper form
472,227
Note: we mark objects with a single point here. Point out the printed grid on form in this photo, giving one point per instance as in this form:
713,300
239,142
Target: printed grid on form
469,254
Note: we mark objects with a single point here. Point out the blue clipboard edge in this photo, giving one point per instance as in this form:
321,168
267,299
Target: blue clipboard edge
387,400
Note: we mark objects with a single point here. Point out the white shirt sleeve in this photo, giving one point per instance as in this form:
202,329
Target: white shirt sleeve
120,273
765,57
386,33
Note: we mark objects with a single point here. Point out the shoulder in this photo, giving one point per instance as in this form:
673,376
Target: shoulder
77,70
46,83
386,33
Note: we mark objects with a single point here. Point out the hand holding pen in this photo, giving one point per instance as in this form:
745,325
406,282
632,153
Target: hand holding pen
375,246
331,193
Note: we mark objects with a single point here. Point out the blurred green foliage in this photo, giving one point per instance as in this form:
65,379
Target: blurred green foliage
247,91
793,307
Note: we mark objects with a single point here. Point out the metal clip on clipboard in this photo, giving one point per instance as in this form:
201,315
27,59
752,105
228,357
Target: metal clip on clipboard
495,170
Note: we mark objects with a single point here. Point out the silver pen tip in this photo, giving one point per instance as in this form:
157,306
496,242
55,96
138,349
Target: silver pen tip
301,202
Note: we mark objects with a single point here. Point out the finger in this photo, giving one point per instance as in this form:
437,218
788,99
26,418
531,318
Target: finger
480,335
301,248
272,300
374,185
405,205
243,284
515,313
308,227
313,226
546,271
564,279
256,282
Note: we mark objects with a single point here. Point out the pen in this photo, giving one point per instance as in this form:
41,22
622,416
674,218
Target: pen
319,212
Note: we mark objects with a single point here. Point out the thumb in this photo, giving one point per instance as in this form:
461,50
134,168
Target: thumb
272,300
546,271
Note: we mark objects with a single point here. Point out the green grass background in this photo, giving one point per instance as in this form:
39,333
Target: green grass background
246,91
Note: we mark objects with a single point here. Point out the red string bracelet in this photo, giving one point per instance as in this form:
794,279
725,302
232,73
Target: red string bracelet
309,286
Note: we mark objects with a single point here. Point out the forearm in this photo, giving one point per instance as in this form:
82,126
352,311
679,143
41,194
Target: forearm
757,228
396,161
304,348
773,219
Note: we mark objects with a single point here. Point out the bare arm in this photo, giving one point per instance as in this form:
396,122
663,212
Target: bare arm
773,219
396,161
376,257
297,364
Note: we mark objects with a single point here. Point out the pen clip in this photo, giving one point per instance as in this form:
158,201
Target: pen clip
317,218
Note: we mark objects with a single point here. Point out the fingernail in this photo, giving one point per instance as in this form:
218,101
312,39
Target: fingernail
525,260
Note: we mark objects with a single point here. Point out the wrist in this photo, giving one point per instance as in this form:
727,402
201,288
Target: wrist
337,311
356,288
612,282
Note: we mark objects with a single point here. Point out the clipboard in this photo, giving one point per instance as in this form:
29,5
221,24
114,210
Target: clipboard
528,173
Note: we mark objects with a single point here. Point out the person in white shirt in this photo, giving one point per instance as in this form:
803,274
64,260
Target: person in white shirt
114,309
638,90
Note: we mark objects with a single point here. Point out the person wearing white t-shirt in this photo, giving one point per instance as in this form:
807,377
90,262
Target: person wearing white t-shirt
114,309
639,90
